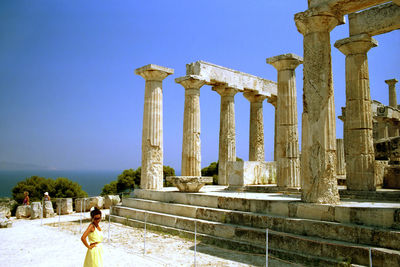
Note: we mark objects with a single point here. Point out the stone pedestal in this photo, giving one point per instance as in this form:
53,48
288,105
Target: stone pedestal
152,134
189,183
256,137
361,157
227,131
191,144
242,173
318,153
287,140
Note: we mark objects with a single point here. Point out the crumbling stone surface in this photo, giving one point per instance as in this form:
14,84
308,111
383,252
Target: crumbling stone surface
4,221
48,210
111,200
65,206
23,211
189,183
36,210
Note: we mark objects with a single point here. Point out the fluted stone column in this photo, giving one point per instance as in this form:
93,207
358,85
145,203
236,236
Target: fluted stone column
273,101
341,163
361,157
256,137
152,133
318,153
392,129
191,145
227,131
288,163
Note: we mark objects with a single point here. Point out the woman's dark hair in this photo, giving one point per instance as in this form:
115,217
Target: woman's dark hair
95,212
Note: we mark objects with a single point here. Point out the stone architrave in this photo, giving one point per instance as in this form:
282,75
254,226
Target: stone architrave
360,158
341,163
152,133
191,144
288,163
318,153
256,137
227,131
392,130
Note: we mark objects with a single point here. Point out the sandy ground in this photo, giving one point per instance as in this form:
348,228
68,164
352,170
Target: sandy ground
28,243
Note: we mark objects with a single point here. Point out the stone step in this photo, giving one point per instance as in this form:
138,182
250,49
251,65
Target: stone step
291,256
331,230
312,246
383,215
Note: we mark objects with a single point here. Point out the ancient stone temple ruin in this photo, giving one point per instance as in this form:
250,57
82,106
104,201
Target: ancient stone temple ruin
331,202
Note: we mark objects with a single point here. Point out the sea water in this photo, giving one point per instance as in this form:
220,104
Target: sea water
92,182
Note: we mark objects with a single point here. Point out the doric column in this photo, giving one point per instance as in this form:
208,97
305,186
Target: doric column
152,133
227,131
273,101
256,138
361,157
392,129
318,153
392,92
340,161
191,144
288,164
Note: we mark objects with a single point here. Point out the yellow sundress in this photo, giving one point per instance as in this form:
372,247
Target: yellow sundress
94,256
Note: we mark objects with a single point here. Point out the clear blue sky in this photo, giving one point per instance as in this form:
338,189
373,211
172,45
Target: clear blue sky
69,98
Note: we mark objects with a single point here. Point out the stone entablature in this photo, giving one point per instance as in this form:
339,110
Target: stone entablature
215,75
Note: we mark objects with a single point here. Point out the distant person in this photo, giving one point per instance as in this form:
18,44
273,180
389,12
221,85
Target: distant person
94,254
26,199
46,196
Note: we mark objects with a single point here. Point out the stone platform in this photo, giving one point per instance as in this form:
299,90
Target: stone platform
311,234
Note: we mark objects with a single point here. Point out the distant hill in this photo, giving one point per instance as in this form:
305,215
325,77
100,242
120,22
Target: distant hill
15,166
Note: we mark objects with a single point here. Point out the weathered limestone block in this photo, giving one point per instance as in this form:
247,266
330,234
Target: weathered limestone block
242,173
6,211
227,131
111,200
48,210
82,204
64,205
318,159
152,132
380,171
23,211
36,210
96,202
189,183
4,221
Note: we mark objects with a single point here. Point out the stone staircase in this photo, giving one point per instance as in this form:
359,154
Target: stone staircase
310,234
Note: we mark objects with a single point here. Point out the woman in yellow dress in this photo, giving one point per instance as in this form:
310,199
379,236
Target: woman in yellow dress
94,254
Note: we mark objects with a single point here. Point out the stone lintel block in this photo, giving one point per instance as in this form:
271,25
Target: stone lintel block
377,20
241,173
391,81
231,78
154,72
360,114
360,141
343,6
285,62
189,183
357,44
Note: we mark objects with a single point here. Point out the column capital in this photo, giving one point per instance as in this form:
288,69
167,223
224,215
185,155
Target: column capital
273,100
357,44
312,20
391,82
285,62
191,81
224,90
254,97
152,72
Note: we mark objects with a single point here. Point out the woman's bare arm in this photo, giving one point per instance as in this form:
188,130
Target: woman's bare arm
85,234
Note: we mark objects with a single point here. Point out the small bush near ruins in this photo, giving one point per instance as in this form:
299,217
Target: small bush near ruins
57,188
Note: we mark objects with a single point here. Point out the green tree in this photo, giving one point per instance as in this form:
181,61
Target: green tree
168,171
126,181
211,170
36,186
110,189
